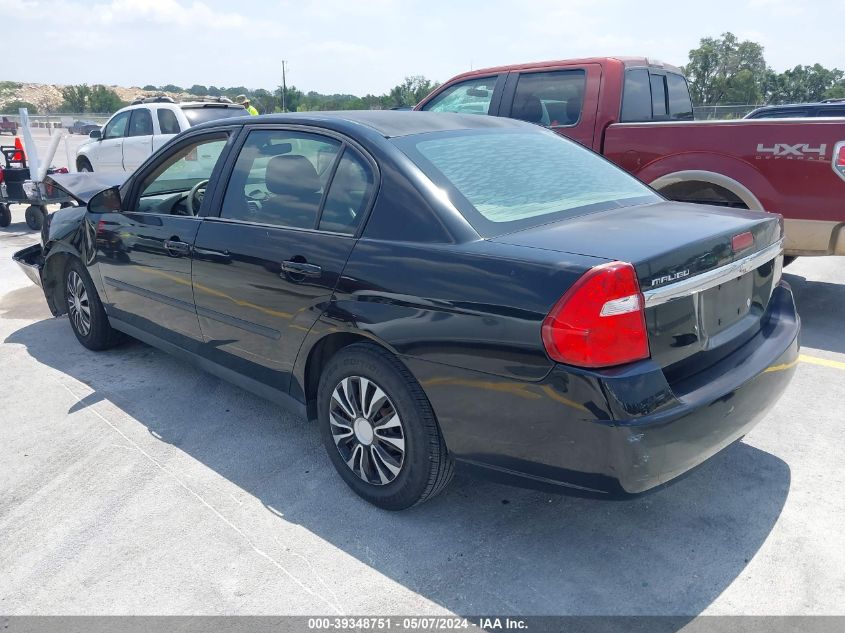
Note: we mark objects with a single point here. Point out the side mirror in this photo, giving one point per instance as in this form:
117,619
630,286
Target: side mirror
107,201
95,134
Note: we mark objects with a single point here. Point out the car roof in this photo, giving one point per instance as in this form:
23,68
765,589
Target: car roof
386,123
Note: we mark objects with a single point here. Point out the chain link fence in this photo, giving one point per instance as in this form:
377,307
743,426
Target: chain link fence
57,121
703,113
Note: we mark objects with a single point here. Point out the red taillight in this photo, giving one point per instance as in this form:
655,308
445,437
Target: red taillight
600,321
742,241
840,157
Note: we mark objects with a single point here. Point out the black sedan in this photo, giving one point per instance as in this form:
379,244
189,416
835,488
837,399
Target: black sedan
83,127
437,290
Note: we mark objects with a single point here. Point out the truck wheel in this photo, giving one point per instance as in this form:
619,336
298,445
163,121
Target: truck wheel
34,217
84,165
379,429
5,216
87,317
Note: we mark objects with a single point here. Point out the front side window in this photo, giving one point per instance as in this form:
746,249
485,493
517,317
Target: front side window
116,128
553,99
167,121
279,178
141,123
468,97
504,181
636,97
680,104
177,185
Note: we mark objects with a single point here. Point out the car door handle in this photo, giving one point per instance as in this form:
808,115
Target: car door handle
177,248
301,268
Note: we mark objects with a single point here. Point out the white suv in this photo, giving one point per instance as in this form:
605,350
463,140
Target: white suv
135,132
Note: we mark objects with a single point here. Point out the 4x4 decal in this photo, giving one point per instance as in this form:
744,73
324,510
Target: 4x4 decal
799,151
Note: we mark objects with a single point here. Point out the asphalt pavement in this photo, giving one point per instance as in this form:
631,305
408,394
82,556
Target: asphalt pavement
132,483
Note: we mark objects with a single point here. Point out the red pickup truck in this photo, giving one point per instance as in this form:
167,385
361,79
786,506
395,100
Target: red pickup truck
8,126
638,113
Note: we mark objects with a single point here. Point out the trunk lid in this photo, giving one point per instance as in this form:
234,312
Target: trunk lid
674,248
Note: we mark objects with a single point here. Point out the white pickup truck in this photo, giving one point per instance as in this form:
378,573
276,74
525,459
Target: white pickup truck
136,131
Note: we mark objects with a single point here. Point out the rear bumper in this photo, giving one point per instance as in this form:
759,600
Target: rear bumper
813,237
617,432
31,262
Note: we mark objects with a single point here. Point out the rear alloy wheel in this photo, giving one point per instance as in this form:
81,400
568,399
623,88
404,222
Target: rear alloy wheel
379,429
367,430
85,311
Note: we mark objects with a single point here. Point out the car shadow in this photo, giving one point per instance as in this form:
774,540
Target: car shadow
480,547
820,305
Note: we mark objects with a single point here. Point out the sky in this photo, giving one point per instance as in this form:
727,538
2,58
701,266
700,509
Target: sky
368,46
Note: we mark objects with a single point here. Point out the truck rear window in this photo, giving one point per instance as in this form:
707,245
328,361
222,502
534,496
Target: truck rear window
507,180
203,114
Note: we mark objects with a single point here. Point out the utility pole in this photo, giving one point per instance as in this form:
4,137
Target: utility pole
284,88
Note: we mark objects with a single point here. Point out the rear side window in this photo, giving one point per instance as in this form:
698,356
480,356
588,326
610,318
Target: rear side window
199,115
349,193
279,178
780,114
680,104
636,98
468,97
141,123
658,97
167,122
553,99
831,112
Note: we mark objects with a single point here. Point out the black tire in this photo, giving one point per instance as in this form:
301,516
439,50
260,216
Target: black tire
83,164
34,217
5,216
425,467
99,334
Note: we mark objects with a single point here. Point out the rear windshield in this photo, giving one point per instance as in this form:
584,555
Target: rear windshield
201,114
504,181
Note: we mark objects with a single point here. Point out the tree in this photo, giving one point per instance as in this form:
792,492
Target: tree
149,88
410,91
12,107
264,101
726,70
170,88
103,99
75,98
198,90
214,91
806,83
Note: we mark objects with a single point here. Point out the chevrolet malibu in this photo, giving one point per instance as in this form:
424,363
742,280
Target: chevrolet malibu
437,290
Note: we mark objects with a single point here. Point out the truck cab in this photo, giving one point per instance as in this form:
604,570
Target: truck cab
638,113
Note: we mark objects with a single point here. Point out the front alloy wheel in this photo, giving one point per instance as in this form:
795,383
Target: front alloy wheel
78,305
367,430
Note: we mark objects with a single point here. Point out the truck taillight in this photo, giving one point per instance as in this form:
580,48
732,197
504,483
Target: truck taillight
839,159
600,321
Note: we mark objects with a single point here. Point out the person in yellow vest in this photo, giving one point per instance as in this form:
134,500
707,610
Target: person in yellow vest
244,101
